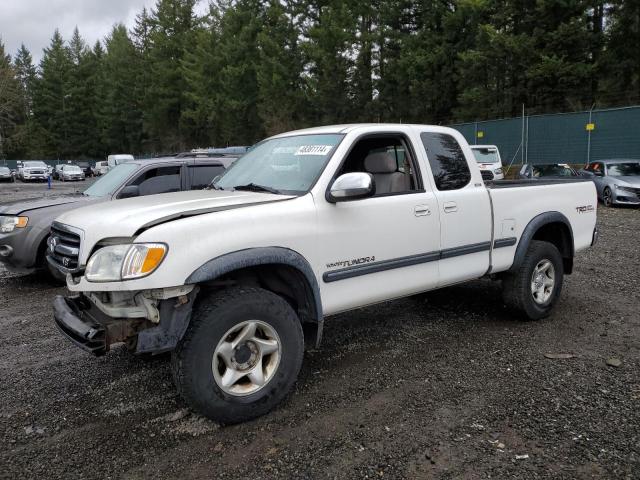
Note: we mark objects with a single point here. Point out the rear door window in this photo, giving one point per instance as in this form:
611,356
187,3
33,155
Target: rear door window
446,158
201,175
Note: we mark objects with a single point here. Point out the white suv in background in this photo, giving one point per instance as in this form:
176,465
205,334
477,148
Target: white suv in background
489,161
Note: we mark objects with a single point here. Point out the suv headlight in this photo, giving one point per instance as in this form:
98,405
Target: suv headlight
498,171
124,262
8,223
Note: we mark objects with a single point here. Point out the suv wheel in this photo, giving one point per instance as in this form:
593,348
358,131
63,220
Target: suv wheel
535,287
240,355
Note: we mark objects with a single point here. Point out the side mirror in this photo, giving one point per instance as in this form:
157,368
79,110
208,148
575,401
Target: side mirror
129,191
352,186
598,173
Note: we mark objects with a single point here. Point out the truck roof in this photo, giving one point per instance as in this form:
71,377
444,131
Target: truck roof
349,127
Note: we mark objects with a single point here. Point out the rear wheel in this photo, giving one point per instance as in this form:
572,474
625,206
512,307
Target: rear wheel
607,197
534,288
240,355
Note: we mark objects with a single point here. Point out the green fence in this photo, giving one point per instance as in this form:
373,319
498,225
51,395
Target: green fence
574,138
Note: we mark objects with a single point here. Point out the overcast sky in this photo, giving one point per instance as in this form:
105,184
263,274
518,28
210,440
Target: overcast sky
32,22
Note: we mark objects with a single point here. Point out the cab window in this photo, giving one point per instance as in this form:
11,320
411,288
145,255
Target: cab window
446,158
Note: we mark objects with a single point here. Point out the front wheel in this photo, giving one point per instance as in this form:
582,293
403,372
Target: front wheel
534,288
607,197
240,355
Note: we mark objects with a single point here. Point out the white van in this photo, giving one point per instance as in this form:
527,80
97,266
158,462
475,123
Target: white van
100,168
117,159
489,161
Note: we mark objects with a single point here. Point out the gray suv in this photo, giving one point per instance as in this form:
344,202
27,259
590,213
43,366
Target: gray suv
617,181
25,224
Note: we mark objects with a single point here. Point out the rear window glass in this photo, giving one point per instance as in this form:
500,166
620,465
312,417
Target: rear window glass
446,158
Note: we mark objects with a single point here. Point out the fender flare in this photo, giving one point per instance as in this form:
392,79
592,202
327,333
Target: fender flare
252,257
530,230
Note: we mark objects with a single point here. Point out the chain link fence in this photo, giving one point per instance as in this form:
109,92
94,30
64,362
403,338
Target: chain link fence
574,138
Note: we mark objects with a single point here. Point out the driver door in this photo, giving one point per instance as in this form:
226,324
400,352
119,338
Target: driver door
380,247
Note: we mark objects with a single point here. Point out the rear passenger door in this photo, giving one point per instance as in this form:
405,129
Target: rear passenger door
464,209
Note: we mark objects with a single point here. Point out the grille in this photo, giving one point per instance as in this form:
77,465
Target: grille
35,172
64,247
630,190
486,174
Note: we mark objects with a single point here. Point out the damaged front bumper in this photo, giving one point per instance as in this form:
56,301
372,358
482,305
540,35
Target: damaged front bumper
94,325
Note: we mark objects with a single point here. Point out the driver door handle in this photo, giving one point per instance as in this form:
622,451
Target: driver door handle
421,210
450,207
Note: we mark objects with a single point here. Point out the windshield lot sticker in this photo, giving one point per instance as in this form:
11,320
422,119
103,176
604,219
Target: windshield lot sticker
350,263
313,150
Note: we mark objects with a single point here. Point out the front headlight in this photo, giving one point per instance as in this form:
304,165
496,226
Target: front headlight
498,171
8,224
124,262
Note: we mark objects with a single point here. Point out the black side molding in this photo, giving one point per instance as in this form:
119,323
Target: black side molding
505,242
400,262
359,270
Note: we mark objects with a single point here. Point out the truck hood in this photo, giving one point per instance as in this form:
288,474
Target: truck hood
127,218
17,207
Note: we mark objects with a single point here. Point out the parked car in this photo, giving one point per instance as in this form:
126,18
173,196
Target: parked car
71,173
117,159
100,168
26,223
617,181
34,170
86,168
489,161
55,174
6,175
553,170
236,280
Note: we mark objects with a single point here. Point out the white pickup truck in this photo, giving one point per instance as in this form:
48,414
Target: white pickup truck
235,280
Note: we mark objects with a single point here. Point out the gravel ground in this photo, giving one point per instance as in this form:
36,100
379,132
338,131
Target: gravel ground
444,385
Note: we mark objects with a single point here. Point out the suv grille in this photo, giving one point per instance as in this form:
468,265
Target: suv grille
63,247
487,174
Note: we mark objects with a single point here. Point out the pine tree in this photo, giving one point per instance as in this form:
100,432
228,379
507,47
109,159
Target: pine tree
281,101
172,34
120,118
328,35
237,114
11,102
621,58
50,100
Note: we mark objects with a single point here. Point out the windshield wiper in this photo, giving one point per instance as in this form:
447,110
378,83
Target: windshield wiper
254,187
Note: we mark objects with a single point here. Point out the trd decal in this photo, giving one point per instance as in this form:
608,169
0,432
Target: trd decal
349,263
585,209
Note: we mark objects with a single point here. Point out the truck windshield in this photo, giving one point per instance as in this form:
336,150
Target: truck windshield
485,155
624,169
287,165
111,181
